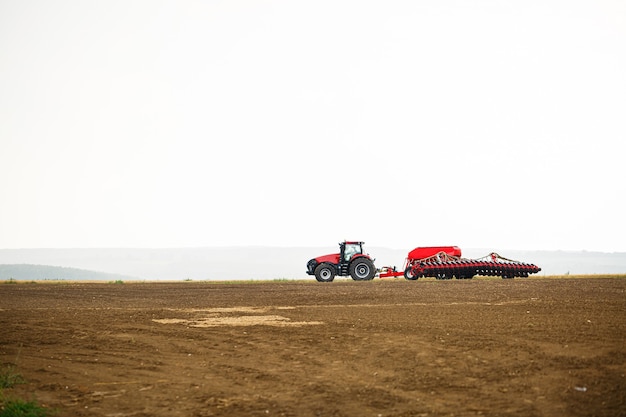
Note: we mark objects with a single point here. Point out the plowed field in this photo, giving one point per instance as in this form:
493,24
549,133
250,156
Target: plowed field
482,347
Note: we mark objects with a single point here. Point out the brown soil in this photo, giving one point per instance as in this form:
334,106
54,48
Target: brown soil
484,347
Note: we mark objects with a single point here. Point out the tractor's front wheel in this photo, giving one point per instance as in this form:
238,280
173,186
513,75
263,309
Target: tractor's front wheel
362,269
324,273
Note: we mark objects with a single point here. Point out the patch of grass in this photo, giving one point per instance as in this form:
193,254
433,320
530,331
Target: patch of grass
9,378
119,281
20,408
261,281
582,276
13,407
10,281
240,282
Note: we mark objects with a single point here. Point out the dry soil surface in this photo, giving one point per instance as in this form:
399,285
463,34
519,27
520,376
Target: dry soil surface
484,347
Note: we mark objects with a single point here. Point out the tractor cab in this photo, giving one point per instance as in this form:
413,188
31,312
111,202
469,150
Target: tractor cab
349,249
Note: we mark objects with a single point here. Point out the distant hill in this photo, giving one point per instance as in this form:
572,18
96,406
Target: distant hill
232,263
21,272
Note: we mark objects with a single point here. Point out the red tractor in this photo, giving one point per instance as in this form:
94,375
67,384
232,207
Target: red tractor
349,261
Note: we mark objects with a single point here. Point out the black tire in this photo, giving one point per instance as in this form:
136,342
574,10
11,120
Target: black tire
362,269
325,273
408,274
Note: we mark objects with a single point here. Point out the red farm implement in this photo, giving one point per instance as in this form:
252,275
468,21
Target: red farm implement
440,262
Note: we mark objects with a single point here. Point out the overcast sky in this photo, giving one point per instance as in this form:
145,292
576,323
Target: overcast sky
403,123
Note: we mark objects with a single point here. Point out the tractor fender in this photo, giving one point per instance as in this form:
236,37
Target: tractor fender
361,255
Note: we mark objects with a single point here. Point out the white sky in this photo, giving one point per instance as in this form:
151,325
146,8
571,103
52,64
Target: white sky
489,124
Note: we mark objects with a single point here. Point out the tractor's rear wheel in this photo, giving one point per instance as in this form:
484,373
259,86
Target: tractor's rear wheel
324,273
362,269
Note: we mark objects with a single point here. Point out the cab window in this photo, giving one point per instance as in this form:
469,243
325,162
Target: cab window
351,250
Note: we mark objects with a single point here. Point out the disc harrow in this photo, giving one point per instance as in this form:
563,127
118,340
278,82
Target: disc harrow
445,264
